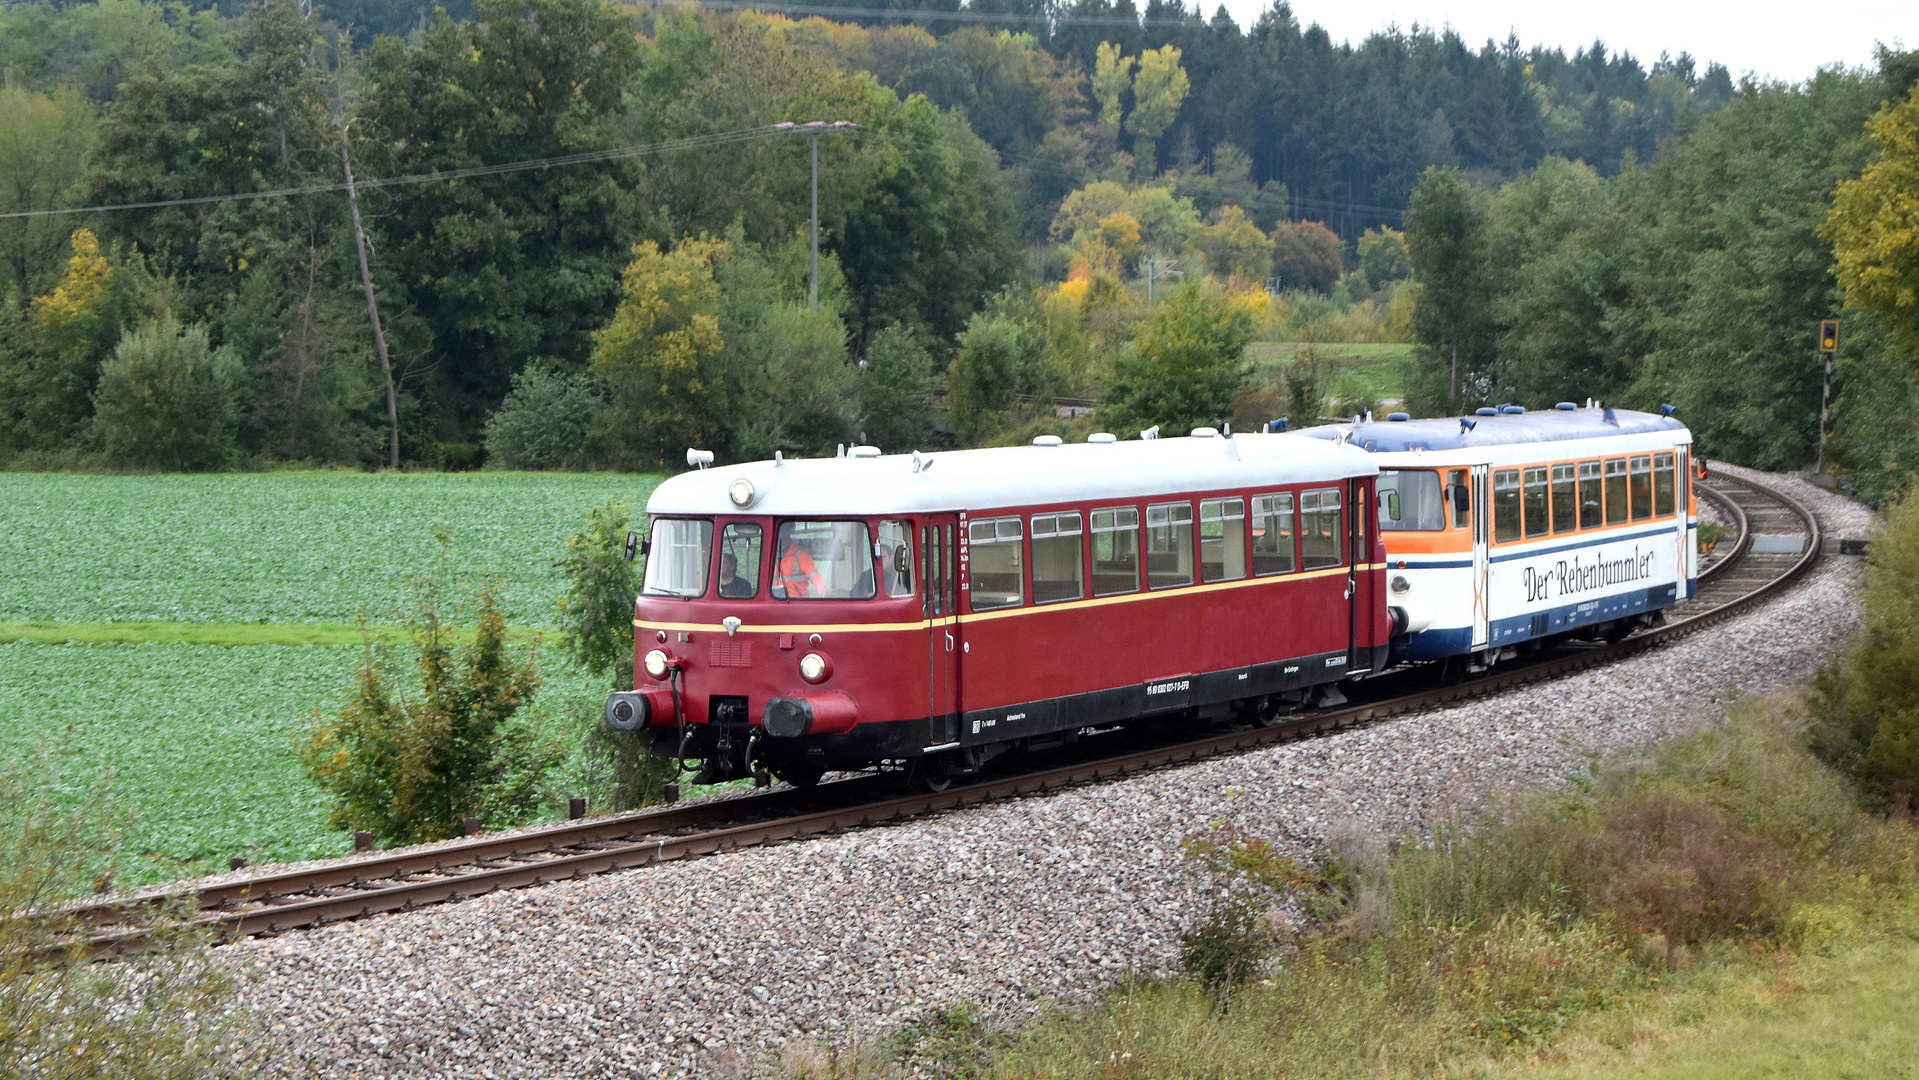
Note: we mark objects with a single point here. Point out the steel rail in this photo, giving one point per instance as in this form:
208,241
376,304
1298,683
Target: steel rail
379,884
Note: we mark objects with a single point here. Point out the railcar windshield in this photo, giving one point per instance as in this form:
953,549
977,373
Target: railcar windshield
1410,501
823,560
677,559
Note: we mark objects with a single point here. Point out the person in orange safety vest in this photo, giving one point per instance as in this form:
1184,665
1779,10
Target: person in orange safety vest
796,572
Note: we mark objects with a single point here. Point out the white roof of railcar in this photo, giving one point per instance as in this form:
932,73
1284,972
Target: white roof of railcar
1012,476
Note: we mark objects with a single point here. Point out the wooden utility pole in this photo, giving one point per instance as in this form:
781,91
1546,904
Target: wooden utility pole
372,310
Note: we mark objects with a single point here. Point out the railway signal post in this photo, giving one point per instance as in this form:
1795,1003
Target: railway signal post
1828,345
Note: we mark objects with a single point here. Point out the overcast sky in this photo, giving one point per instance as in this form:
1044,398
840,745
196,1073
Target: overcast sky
1780,40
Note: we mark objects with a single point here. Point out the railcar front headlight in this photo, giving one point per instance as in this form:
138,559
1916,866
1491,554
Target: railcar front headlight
655,663
741,492
1400,584
814,667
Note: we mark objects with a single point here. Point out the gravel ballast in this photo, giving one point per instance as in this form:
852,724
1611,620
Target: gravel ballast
705,966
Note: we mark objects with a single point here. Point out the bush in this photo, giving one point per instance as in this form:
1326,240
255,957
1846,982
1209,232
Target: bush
896,391
170,1011
1866,704
168,401
1186,360
408,769
597,629
543,422
1306,256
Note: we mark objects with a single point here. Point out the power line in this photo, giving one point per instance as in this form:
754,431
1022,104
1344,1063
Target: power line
921,15
558,161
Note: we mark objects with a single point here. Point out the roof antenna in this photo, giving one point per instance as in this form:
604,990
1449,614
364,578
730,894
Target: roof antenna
1150,433
842,451
779,457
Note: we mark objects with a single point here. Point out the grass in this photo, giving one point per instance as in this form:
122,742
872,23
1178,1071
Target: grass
298,547
1717,906
200,740
1361,372
189,633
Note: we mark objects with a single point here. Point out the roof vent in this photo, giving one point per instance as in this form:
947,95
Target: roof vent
1047,440
863,451
1101,437
1279,424
1150,433
1205,433
1565,406
1485,412
1512,410
1398,417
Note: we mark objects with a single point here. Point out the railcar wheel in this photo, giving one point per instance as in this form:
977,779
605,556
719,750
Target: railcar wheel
801,775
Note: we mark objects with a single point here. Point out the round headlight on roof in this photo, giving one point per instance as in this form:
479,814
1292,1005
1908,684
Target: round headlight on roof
741,492
655,663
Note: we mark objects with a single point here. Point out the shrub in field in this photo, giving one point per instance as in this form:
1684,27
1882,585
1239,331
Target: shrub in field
1866,704
542,424
167,400
409,767
597,628
168,1012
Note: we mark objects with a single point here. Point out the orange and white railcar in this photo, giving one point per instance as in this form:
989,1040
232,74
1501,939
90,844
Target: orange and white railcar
1508,527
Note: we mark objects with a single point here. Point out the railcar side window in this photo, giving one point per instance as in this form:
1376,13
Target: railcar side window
740,560
1319,529
1115,551
1615,490
1456,483
823,560
1662,484
1506,505
1565,499
1410,501
1536,523
1641,487
680,553
1169,545
1272,534
1057,567
997,577
895,553
1591,501
1222,539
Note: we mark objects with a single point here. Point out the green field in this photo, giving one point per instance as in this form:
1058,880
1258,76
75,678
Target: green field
311,547
1358,372
212,619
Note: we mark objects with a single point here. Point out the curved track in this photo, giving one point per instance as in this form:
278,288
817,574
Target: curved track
1755,567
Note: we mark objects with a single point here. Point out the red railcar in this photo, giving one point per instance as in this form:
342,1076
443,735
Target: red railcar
930,611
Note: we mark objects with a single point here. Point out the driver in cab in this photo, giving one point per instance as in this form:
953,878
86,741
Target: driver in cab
795,572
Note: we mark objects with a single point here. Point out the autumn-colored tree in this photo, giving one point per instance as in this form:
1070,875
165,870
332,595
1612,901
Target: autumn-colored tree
1874,227
1306,256
1112,77
656,354
1158,91
1235,248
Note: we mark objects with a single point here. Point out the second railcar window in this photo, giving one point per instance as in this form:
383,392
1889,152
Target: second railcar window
1506,505
1663,488
896,557
1565,499
1272,534
1169,545
1319,529
1615,490
1410,500
1641,487
1591,502
1222,539
1057,567
1536,523
1115,551
995,563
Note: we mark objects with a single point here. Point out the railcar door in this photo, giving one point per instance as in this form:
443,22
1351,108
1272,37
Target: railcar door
939,599
1482,511
1359,591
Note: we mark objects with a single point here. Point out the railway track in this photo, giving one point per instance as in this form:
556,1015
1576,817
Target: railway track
1778,540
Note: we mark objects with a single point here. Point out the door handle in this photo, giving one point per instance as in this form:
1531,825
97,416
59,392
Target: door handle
1352,586
949,643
